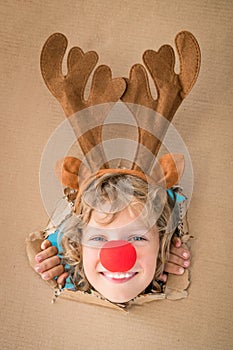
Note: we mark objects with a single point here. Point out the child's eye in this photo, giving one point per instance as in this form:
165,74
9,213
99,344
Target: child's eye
98,239
137,238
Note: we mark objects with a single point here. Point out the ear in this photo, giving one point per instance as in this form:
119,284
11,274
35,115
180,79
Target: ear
69,172
168,170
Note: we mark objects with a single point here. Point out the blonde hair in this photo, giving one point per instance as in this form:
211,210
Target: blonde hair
110,194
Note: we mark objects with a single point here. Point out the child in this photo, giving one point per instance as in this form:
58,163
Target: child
128,205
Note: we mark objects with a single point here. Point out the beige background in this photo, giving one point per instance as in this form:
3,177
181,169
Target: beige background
119,31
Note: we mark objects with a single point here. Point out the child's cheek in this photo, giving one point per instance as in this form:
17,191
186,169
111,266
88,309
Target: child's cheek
147,257
90,259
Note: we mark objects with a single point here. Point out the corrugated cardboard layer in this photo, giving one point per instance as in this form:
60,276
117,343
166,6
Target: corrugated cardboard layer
119,32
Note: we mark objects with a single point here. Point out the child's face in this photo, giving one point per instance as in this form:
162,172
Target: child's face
129,227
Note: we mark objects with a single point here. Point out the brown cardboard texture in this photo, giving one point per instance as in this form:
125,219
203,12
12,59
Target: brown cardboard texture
120,32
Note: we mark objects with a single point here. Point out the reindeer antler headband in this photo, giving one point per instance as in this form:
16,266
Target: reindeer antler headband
134,92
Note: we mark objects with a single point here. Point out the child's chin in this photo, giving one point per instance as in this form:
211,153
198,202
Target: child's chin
120,299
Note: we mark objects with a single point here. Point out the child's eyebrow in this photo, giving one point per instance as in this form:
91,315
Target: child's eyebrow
93,230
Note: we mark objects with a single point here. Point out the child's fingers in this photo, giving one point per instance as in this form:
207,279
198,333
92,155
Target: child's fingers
62,278
45,254
47,264
163,278
176,241
50,274
174,259
45,244
181,252
173,268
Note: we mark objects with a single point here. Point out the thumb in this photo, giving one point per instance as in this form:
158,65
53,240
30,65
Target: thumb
45,244
176,241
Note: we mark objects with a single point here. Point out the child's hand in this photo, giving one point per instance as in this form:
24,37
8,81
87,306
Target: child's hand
49,264
178,261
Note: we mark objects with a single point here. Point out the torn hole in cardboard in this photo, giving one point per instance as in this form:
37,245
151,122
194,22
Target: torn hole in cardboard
175,288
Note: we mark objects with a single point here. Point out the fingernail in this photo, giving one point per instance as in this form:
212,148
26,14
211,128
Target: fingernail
181,270
38,268
185,255
45,276
186,263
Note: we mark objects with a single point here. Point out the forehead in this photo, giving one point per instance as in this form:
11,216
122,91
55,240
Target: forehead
123,222
126,217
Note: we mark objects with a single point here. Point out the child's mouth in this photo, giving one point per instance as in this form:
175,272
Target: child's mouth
118,277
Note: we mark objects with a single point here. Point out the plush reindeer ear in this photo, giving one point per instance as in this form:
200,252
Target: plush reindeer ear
72,172
168,170
69,172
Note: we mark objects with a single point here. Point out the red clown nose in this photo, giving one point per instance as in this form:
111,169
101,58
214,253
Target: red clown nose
118,256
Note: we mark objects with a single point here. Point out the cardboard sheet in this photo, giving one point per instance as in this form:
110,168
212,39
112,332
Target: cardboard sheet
120,32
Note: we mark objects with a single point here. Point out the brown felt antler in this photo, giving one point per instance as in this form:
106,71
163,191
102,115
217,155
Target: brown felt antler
69,89
171,88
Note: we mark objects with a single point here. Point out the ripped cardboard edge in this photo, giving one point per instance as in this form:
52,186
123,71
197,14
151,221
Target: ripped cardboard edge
175,289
